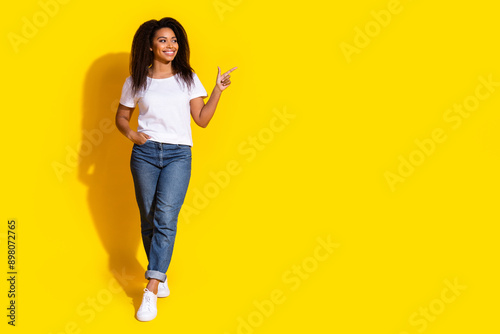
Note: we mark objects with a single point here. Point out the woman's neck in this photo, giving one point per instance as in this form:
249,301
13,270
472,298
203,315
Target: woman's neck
161,70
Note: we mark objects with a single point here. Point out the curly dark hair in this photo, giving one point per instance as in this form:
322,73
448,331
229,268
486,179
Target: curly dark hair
141,56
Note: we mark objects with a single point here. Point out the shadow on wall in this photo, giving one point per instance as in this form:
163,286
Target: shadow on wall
104,169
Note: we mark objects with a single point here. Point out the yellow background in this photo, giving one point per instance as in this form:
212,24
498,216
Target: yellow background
319,174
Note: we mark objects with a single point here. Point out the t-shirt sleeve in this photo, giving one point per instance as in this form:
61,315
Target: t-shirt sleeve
127,99
197,90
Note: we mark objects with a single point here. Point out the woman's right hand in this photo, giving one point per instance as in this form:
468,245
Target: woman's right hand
138,138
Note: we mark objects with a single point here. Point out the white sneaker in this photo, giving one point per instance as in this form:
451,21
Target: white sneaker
147,311
163,290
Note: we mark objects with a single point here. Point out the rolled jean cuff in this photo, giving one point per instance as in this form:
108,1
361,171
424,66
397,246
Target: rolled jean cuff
156,275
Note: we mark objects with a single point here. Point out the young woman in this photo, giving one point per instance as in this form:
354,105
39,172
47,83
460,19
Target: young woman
167,91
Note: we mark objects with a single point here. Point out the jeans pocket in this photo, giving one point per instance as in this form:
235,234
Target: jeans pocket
184,148
140,147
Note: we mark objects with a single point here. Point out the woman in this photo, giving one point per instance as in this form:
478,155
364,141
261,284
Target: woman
167,91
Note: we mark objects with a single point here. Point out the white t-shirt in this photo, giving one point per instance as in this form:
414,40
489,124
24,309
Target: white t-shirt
164,110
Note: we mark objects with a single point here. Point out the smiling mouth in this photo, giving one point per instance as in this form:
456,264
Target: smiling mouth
170,53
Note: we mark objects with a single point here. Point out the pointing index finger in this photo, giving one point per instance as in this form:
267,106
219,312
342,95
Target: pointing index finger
231,70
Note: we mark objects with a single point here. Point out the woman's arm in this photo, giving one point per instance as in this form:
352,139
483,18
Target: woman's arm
202,113
122,121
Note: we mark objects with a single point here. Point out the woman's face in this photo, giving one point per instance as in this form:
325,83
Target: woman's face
165,45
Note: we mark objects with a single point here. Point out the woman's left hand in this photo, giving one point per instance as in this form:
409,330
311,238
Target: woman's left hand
223,79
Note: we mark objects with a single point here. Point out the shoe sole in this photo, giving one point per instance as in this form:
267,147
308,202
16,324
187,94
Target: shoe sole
145,319
161,295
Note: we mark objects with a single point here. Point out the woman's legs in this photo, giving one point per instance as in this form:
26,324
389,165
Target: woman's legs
161,177
170,193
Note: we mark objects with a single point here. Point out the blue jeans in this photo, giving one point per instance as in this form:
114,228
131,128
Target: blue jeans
161,174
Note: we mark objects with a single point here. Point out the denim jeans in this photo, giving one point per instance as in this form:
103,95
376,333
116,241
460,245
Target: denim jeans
161,174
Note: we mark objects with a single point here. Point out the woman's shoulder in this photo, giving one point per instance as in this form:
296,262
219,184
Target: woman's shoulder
195,77
128,81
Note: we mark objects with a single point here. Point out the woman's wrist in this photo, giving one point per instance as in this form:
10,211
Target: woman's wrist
217,90
129,134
